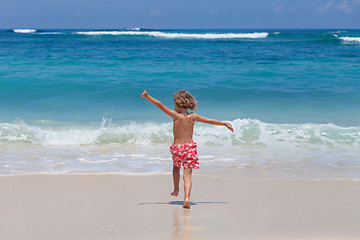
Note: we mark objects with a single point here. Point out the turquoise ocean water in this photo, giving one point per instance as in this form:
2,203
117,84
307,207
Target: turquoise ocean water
70,100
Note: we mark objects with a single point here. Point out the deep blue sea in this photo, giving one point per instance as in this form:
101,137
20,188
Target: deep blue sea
70,100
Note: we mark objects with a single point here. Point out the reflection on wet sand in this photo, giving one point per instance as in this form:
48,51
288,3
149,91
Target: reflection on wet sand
183,227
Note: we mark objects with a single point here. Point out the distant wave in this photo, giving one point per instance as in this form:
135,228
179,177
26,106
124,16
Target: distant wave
179,35
133,29
42,32
349,39
316,36
339,31
248,132
50,33
24,30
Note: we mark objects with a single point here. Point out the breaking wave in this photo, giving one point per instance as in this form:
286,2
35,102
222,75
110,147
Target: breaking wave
255,148
349,39
248,132
179,35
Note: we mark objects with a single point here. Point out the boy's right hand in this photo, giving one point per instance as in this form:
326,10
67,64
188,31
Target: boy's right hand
144,94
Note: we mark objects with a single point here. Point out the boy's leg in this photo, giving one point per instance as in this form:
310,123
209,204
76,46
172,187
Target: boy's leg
187,186
176,179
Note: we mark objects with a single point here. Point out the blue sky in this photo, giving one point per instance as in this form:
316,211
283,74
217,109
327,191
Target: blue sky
180,13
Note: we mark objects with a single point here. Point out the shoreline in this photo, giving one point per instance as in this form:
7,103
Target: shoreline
204,175
110,206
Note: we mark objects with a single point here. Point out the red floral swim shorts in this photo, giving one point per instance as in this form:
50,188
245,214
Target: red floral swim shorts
185,155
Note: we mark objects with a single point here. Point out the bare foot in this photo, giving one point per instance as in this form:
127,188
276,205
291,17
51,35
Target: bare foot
186,204
175,193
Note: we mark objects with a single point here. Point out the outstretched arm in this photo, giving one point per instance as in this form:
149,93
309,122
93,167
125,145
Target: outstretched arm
212,121
157,103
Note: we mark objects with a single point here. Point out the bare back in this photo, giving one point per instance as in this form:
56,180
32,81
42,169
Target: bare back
183,128
183,121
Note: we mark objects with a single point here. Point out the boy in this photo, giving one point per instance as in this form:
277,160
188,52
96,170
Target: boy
184,149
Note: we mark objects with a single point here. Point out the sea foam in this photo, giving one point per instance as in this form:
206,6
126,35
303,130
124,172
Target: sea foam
180,35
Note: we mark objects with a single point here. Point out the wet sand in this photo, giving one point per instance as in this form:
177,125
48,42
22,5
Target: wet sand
140,207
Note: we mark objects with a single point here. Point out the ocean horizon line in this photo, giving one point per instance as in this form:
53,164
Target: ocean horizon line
149,28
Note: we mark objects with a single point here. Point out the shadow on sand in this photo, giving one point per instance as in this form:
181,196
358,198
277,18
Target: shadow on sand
181,203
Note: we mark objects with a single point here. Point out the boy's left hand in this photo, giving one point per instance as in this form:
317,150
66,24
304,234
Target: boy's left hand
229,126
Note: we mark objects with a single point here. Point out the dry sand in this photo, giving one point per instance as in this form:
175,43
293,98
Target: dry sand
140,207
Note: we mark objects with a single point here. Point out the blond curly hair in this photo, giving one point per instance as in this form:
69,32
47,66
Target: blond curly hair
185,100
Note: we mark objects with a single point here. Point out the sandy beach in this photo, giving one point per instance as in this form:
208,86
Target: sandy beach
140,207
